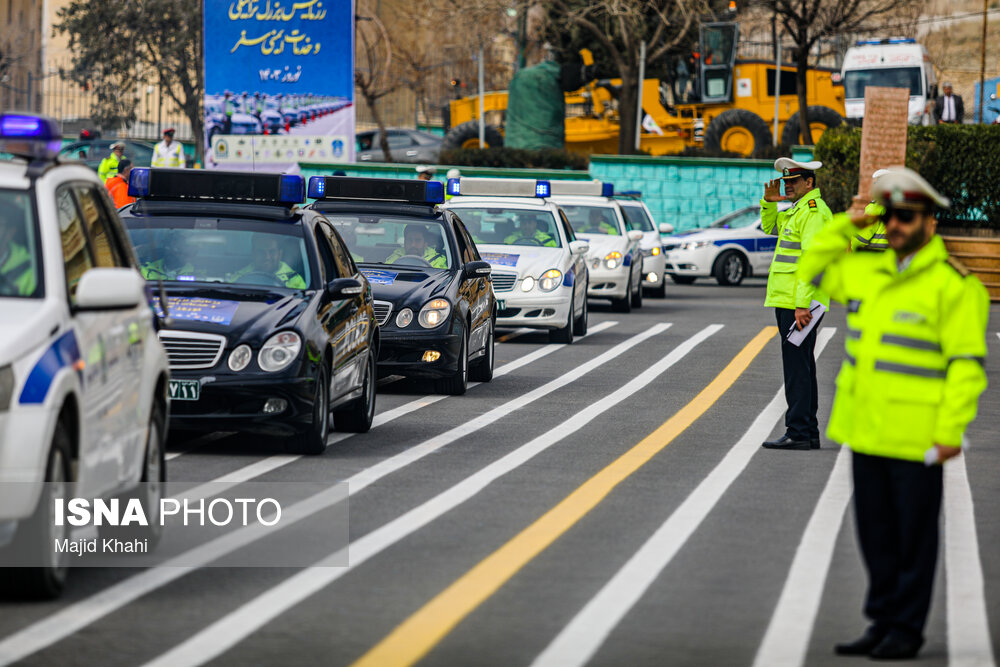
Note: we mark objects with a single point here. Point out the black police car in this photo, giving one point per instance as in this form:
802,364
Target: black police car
433,293
271,327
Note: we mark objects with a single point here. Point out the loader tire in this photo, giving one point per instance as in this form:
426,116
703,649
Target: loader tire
466,135
820,118
737,131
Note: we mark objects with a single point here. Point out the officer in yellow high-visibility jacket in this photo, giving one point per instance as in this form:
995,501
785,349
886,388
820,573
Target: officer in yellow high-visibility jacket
872,238
528,233
415,244
109,165
905,395
267,260
791,298
168,153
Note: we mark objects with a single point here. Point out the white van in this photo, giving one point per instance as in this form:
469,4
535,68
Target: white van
896,62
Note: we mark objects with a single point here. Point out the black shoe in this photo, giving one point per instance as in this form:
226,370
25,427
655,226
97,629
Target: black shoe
786,442
814,443
896,647
863,645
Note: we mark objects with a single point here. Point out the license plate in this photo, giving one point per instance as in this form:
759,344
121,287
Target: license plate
501,304
185,390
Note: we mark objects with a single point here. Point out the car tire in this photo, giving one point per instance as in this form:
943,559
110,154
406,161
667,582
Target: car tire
659,292
580,324
466,135
457,384
564,335
818,116
624,304
637,294
357,416
683,280
730,268
314,440
481,370
737,131
36,535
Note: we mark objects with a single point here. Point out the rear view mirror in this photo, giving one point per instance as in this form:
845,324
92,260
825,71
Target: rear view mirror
666,228
579,247
635,235
110,289
343,288
477,270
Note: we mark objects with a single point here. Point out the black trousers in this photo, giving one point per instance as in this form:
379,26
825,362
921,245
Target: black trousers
799,366
896,507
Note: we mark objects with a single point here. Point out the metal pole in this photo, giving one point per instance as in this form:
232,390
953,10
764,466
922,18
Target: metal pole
638,102
777,85
482,84
982,63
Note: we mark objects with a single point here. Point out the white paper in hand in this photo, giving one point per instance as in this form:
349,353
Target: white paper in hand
796,336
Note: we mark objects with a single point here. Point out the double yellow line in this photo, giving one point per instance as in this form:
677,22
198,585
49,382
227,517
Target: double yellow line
418,634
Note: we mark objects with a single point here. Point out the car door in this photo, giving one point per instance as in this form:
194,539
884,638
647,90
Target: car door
344,319
579,263
764,245
478,291
402,146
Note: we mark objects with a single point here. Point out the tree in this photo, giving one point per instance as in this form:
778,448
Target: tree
619,26
372,71
116,45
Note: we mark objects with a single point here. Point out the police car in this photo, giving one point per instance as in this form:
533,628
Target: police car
539,266
83,378
637,216
615,256
730,249
433,296
271,326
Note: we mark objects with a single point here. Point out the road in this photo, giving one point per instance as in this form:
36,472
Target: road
604,503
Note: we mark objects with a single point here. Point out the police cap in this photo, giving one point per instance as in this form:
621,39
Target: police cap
900,187
790,168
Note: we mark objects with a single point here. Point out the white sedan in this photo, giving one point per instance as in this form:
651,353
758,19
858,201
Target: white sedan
540,272
730,249
638,216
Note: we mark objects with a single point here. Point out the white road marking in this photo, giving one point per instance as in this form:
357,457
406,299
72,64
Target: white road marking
73,617
583,636
969,641
787,638
237,625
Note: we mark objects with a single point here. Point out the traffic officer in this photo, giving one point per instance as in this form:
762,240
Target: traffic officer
528,231
267,258
118,185
872,238
109,165
596,224
415,245
168,153
904,397
425,172
791,298
173,260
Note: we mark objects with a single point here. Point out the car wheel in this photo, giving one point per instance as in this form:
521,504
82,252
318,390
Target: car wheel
580,324
637,294
459,382
315,438
659,292
481,370
730,268
358,415
624,304
564,335
683,280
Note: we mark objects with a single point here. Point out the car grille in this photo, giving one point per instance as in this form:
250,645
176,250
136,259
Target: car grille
191,350
382,311
504,282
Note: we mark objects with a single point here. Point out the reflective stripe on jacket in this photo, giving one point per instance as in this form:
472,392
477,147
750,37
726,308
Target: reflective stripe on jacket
168,156
916,345
871,238
795,229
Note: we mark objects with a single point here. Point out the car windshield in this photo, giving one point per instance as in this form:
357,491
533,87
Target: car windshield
408,243
505,226
592,219
855,81
220,251
636,218
743,218
20,267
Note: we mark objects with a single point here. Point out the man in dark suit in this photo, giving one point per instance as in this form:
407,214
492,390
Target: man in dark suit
949,108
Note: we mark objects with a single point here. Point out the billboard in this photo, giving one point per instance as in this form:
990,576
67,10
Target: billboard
279,83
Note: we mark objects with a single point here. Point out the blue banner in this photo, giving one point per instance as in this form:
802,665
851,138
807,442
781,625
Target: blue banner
216,311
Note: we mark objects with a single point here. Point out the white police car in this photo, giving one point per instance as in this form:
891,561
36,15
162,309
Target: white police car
83,378
730,249
540,272
638,217
615,257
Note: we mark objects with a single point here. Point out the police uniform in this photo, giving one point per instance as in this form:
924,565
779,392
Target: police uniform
157,270
16,268
872,238
911,380
109,165
541,237
601,228
284,273
795,229
431,256
168,156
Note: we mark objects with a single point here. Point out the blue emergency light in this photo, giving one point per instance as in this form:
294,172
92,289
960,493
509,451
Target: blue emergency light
29,136
543,189
886,40
379,189
454,187
607,189
234,186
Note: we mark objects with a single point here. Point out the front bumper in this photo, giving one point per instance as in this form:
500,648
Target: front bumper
608,284
690,262
653,266
401,353
535,309
25,436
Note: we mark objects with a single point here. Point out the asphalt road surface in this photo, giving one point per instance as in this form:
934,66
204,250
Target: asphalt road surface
603,503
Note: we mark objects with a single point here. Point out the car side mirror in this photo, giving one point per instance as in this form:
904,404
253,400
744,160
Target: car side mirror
666,228
579,247
477,270
343,288
110,289
635,235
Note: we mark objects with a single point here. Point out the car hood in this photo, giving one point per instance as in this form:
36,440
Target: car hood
241,315
405,287
525,260
24,325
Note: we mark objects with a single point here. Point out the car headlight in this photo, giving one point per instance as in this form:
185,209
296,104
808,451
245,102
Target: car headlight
404,318
613,259
527,284
6,386
655,251
434,313
550,280
694,245
240,358
279,351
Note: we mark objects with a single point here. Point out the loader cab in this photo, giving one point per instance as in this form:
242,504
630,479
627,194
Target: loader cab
717,49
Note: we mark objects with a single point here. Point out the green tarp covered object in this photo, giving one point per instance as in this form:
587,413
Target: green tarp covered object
536,109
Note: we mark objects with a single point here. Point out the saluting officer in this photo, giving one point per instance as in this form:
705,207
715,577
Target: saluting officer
791,298
905,394
872,238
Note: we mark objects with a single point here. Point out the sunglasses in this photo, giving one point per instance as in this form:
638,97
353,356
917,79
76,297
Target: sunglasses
904,215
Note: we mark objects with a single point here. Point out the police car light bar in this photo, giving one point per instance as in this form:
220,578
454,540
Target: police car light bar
631,194
29,136
585,188
887,40
236,186
380,189
498,187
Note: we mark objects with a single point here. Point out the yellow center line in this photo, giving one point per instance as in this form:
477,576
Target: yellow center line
422,631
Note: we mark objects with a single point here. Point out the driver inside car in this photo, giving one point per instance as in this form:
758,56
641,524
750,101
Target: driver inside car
529,234
173,260
267,258
415,245
596,224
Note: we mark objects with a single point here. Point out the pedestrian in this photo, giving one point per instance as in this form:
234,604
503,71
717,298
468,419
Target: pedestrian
168,153
872,238
109,165
949,107
117,185
793,300
228,107
425,172
905,395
